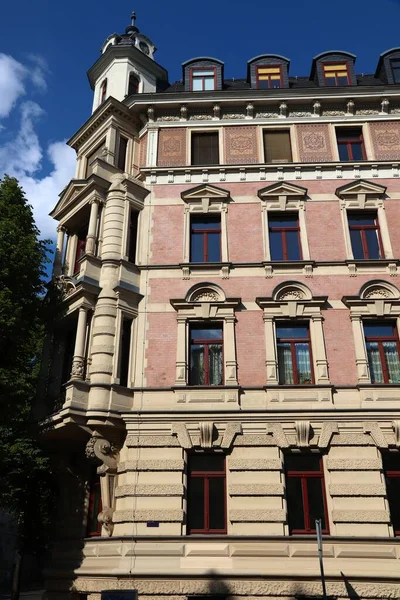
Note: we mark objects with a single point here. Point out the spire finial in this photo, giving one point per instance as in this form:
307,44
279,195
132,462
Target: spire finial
133,18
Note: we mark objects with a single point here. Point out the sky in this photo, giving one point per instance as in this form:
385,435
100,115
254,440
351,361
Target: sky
46,47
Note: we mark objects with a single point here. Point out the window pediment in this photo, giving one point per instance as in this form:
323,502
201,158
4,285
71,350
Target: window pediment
292,299
282,196
378,298
205,197
204,301
361,194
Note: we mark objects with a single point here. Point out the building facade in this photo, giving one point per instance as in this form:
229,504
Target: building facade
226,369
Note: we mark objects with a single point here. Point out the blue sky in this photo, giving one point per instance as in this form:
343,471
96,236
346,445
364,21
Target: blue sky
46,48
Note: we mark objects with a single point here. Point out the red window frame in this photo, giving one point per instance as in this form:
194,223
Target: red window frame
80,250
304,476
392,474
379,340
205,232
337,62
195,69
268,75
283,231
206,342
363,227
206,476
103,91
341,140
293,342
94,498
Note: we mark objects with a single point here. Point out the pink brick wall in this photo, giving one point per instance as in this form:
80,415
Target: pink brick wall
143,150
325,231
161,349
245,243
392,208
250,347
339,345
167,235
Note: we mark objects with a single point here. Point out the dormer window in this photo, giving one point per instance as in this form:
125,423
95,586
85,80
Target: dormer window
269,76
203,79
103,91
133,86
336,74
395,64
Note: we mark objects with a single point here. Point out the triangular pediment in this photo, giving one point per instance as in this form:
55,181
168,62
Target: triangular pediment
205,191
282,188
74,190
362,186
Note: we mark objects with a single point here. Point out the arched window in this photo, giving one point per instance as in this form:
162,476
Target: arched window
103,91
133,86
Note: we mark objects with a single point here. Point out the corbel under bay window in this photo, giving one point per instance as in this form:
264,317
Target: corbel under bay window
366,238
206,336
284,223
205,225
294,338
375,314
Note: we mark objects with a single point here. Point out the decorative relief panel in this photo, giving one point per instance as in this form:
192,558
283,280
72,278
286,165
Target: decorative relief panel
241,145
172,147
386,140
314,143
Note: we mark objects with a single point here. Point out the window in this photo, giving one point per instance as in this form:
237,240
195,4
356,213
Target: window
93,526
336,74
205,148
382,343
364,235
203,79
132,235
284,237
350,143
98,153
305,493
69,347
206,360
294,353
277,147
133,85
391,468
206,495
103,91
125,351
122,147
395,64
205,238
80,248
269,77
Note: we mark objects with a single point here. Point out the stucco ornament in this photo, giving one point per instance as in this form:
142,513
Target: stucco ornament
378,292
65,285
206,296
291,294
100,449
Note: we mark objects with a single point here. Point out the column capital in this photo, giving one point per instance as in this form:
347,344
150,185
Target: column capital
61,229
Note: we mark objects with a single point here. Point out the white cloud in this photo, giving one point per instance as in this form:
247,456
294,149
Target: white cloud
12,76
23,152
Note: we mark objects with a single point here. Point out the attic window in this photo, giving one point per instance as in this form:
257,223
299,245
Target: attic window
133,86
336,74
269,77
203,79
103,91
395,64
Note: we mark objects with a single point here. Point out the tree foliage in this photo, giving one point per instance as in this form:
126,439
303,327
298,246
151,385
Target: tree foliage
25,474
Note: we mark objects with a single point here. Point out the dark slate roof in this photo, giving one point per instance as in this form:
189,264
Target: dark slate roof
294,83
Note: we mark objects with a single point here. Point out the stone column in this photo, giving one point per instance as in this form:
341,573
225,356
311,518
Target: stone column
105,313
91,235
361,354
57,267
78,362
230,351
321,375
271,361
181,364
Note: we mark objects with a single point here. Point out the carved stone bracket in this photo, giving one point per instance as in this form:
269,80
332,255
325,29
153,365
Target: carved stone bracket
180,430
278,434
376,434
231,431
100,449
303,431
206,434
327,432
